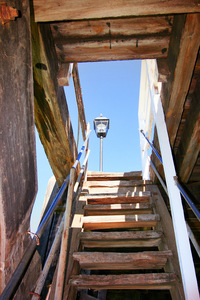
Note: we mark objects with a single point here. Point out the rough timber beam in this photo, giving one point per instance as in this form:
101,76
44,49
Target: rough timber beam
51,10
189,147
51,112
112,39
182,69
79,99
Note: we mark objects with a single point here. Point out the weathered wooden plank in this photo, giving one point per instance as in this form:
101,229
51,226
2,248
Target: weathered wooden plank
64,74
131,281
117,239
111,48
95,176
188,49
118,209
17,143
79,99
122,261
189,146
51,112
130,197
116,183
75,10
121,221
76,30
125,191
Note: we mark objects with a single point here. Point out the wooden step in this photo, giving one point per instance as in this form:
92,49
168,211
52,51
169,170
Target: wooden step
116,183
119,221
118,209
91,175
122,261
119,198
147,238
152,281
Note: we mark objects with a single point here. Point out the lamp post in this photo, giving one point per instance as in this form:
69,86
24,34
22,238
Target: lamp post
101,126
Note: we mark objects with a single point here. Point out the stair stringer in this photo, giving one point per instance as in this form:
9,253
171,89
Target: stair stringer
168,240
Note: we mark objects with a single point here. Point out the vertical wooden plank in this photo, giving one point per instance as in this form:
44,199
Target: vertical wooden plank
65,238
17,139
184,47
79,99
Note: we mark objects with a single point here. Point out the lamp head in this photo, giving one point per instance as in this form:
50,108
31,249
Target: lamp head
101,126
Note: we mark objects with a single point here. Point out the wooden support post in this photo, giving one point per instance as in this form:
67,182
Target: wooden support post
64,74
44,273
79,100
51,112
64,244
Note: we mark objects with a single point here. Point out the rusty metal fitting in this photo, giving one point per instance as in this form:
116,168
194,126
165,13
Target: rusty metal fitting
7,13
35,235
35,294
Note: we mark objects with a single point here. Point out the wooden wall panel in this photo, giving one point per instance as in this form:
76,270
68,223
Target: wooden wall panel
17,138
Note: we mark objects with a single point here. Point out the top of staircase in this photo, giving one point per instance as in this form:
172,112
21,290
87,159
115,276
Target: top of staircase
102,176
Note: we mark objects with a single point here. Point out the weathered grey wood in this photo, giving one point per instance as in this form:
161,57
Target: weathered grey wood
118,209
122,261
188,49
116,183
95,176
126,191
79,99
64,74
133,197
112,48
189,146
115,239
121,221
51,110
17,142
152,281
111,39
76,227
77,30
75,10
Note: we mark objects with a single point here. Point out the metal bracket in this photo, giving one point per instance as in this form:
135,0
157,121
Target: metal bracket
7,13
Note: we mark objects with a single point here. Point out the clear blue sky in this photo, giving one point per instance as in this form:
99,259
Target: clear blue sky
110,88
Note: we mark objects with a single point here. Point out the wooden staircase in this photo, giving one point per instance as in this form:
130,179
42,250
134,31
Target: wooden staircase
122,241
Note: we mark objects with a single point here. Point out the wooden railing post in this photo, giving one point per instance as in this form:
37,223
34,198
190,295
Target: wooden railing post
65,235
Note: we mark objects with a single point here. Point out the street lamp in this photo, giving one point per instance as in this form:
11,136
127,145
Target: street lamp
101,126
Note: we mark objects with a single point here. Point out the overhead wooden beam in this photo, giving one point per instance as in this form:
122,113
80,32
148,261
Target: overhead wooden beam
79,100
112,48
51,10
189,147
112,39
51,112
76,30
181,69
